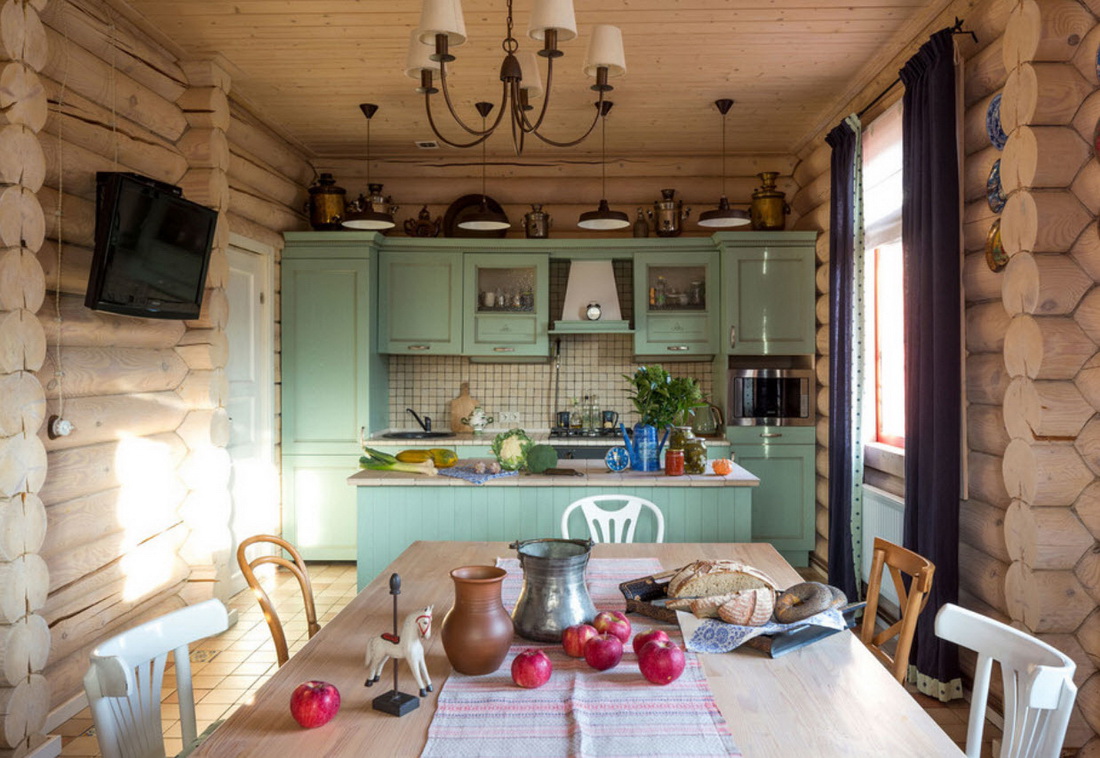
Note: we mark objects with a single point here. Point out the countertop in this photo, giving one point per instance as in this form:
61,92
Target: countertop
541,436
592,474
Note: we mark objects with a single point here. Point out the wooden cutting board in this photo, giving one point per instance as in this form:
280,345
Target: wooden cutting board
461,407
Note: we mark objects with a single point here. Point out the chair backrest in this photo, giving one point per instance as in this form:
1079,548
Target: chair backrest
126,674
613,526
1038,683
898,561
296,566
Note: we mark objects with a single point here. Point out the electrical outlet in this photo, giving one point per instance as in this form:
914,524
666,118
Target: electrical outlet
508,417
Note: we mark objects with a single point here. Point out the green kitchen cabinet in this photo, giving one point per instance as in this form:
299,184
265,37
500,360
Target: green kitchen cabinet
420,302
675,303
768,302
506,306
783,505
334,382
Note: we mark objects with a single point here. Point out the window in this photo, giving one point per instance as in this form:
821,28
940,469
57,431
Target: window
883,282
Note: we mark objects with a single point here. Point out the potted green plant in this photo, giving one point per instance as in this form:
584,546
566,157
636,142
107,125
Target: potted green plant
661,400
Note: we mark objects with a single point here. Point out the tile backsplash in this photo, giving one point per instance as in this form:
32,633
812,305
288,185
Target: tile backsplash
591,364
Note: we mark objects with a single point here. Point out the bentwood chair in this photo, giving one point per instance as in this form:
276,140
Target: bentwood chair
899,561
296,566
613,526
1038,684
126,674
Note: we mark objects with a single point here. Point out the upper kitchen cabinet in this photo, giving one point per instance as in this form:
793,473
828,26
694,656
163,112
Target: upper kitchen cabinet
419,300
506,302
768,303
676,303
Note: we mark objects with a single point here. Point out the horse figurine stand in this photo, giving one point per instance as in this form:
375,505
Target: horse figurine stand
405,645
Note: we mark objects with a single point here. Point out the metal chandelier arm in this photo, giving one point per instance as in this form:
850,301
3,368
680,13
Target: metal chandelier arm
435,130
455,116
583,137
527,125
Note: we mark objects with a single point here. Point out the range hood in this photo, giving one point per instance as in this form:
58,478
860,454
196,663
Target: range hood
591,283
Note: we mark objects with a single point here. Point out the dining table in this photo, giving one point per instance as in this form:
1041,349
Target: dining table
829,698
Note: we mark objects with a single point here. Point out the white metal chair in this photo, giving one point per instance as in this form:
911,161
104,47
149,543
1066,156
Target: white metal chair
124,681
613,526
1038,684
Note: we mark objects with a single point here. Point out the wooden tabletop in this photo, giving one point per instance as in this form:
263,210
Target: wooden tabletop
829,699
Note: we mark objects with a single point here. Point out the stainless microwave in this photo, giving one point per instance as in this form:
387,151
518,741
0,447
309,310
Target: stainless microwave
771,397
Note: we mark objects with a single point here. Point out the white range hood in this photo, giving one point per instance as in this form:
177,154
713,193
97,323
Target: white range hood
591,283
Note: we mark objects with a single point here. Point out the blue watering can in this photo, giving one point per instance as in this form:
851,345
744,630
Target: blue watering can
644,449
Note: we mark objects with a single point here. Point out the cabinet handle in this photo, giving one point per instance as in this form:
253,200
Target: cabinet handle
419,347
733,337
504,349
772,434
677,347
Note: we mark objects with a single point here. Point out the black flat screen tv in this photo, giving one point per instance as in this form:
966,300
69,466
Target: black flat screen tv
152,249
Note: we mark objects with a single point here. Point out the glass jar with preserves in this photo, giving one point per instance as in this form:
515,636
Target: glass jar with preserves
674,463
679,436
695,455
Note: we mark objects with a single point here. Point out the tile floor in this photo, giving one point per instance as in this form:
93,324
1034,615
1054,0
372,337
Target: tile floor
229,668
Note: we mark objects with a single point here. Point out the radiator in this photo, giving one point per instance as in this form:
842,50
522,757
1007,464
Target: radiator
883,516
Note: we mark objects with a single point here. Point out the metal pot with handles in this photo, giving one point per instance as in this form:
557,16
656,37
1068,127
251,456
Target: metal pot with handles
668,215
554,595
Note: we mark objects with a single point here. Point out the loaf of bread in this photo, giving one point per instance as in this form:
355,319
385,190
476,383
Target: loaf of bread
717,577
707,607
748,607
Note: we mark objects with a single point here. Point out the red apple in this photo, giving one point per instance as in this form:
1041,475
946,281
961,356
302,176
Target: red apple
314,703
604,651
661,661
531,668
643,637
613,622
574,638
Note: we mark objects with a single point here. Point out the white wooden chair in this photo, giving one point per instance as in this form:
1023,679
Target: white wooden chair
124,681
613,526
1038,684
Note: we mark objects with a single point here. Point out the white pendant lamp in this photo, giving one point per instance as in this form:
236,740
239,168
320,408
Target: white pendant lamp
603,218
723,217
364,216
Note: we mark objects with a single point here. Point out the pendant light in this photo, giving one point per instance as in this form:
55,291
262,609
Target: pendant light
364,215
603,218
484,219
723,217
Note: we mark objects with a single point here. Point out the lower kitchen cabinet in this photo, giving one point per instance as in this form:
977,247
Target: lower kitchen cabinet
319,510
783,504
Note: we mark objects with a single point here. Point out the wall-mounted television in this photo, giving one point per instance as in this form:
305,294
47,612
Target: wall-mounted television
152,248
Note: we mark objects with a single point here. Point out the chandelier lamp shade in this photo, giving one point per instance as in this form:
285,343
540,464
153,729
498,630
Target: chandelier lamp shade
484,219
723,217
442,28
372,213
603,219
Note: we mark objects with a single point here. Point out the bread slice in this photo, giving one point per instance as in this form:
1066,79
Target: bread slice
707,607
748,607
717,577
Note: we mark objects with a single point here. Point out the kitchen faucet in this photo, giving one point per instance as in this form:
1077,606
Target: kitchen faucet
425,424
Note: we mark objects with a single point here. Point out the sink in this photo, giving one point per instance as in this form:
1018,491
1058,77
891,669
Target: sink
417,435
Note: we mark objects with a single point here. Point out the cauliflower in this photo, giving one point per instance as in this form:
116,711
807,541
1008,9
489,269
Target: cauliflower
510,449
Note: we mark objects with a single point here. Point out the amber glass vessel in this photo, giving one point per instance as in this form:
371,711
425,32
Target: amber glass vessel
477,631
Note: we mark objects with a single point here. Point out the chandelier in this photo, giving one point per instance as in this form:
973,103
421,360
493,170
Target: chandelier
442,27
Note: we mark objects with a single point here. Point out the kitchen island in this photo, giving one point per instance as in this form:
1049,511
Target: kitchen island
395,509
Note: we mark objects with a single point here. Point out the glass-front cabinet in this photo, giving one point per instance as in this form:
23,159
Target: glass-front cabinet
506,301
676,303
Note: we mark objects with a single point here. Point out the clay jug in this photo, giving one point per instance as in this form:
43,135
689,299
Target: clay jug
477,631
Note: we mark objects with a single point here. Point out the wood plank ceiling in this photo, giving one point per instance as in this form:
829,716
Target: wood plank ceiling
790,65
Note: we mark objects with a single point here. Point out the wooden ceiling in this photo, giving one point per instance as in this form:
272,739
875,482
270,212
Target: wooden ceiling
790,65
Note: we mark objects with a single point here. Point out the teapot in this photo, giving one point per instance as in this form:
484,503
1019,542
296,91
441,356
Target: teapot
707,419
536,224
668,215
478,420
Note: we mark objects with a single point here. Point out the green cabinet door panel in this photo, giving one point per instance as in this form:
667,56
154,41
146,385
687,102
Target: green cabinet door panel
672,331
319,511
420,303
507,334
392,518
783,504
768,299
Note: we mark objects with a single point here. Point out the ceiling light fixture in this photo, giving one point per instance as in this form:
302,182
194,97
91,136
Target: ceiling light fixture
442,27
484,219
723,217
603,218
362,213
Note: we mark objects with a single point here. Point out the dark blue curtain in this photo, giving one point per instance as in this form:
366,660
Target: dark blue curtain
933,394
842,284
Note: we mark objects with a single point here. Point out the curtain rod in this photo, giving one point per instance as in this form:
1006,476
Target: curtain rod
957,28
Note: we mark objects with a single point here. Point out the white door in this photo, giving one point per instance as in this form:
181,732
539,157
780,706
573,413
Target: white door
254,485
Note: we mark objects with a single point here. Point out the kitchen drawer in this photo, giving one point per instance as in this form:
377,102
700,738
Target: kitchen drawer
771,435
505,330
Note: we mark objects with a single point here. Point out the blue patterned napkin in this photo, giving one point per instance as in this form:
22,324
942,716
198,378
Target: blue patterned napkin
471,476
716,636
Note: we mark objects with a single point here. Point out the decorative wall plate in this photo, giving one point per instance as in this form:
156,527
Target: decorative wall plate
994,192
465,205
997,136
995,256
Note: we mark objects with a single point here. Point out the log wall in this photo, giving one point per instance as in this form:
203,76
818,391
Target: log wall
1030,527
127,517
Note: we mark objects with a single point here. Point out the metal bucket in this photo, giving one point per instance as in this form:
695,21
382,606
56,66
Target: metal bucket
554,594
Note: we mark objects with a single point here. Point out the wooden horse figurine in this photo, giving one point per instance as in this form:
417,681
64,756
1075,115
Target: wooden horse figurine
417,626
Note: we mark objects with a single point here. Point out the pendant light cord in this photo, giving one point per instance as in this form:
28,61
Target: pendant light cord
483,166
603,156
368,155
723,155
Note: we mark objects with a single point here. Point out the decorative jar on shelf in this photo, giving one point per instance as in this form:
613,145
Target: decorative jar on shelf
477,631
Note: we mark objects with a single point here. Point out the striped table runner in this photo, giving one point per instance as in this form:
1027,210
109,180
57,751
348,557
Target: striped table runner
580,711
